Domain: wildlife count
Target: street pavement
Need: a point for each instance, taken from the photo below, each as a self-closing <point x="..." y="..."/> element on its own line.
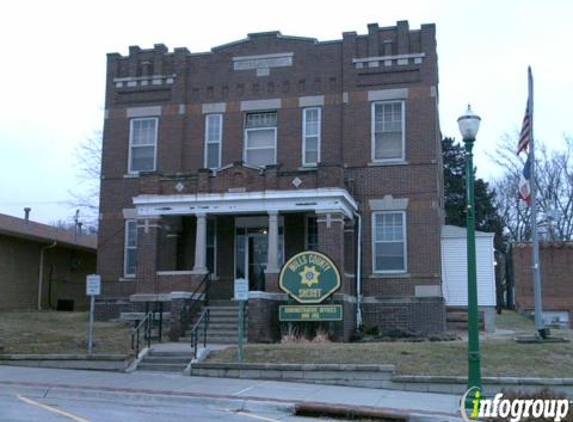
<point x="167" y="396"/>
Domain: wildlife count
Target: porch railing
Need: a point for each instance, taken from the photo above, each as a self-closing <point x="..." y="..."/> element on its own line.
<point x="202" y="322"/>
<point x="199" y="297"/>
<point x="143" y="329"/>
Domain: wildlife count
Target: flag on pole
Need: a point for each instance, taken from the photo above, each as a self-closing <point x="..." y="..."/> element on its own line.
<point x="524" y="183"/>
<point x="525" y="135"/>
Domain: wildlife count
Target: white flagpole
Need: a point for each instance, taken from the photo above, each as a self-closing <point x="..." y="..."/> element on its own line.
<point x="538" y="303"/>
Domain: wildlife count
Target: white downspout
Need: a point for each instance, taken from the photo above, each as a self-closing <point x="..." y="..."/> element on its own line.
<point x="41" y="272"/>
<point x="359" y="271"/>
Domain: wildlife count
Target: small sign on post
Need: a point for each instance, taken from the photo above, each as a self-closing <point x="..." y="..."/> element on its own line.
<point x="241" y="296"/>
<point x="93" y="289"/>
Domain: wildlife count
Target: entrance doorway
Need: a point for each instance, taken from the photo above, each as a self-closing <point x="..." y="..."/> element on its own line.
<point x="251" y="250"/>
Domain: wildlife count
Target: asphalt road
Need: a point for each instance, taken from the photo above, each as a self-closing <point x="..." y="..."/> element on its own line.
<point x="29" y="408"/>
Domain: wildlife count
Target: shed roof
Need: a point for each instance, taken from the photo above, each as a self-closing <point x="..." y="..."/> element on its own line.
<point x="19" y="227"/>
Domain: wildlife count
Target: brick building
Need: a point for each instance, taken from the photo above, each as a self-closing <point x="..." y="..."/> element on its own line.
<point x="556" y="262"/>
<point x="231" y="161"/>
<point x="41" y="266"/>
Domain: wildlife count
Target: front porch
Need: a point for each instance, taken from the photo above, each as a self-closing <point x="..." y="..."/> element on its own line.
<point x="249" y="235"/>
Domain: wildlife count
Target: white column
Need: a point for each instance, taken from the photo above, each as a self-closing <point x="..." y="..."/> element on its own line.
<point x="273" y="243"/>
<point x="201" y="244"/>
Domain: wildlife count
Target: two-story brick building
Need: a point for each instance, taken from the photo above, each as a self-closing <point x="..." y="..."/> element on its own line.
<point x="231" y="161"/>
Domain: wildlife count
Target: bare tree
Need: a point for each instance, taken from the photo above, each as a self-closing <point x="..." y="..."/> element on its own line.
<point x="85" y="196"/>
<point x="554" y="182"/>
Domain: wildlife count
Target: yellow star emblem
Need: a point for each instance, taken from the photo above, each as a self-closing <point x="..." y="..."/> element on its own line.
<point x="309" y="276"/>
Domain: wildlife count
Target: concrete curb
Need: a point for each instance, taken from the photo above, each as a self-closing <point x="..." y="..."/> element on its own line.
<point x="232" y="403"/>
<point x="100" y="362"/>
<point x="457" y="385"/>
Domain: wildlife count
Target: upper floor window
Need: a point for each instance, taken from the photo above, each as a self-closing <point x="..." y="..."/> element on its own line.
<point x="130" y="248"/>
<point x="261" y="138"/>
<point x="142" y="144"/>
<point x="388" y="131"/>
<point x="311" y="136"/>
<point x="389" y="241"/>
<point x="213" y="139"/>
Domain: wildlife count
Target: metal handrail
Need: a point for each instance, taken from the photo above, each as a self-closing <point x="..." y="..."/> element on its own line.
<point x="194" y="334"/>
<point x="147" y="323"/>
<point x="187" y="312"/>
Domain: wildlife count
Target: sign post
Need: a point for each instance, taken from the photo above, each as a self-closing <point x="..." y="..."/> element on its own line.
<point x="241" y="296"/>
<point x="93" y="289"/>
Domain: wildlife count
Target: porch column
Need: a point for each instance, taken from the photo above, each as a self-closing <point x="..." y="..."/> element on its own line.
<point x="148" y="231"/>
<point x="273" y="241"/>
<point x="201" y="244"/>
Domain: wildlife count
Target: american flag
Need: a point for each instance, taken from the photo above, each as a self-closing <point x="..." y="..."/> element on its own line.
<point x="525" y="135"/>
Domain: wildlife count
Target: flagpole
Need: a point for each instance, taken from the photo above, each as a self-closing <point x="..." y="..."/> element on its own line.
<point x="538" y="303"/>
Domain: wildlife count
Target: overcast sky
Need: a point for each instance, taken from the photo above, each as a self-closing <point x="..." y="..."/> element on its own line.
<point x="52" y="71"/>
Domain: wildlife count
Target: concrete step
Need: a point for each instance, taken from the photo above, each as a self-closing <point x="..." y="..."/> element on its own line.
<point x="210" y="332"/>
<point x="164" y="367"/>
<point x="168" y="354"/>
<point x="178" y="360"/>
<point x="214" y="340"/>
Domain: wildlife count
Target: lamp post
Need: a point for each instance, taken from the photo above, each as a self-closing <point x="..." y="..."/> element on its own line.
<point x="469" y="125"/>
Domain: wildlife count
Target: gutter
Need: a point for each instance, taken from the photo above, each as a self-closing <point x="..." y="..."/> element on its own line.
<point x="41" y="272"/>
<point x="359" y="271"/>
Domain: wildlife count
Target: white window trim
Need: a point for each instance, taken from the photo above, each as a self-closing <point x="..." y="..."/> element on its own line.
<point x="214" y="220"/>
<point x="373" y="243"/>
<point x="125" y="247"/>
<point x="255" y="148"/>
<point x="129" y="170"/>
<point x="219" y="141"/>
<point x="373" y="137"/>
<point x="306" y="218"/>
<point x="304" y="136"/>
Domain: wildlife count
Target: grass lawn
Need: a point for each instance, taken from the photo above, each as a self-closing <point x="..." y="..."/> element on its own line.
<point x="58" y="332"/>
<point x="500" y="356"/>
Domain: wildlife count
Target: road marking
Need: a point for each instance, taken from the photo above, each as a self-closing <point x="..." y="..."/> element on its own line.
<point x="244" y="390"/>
<point x="52" y="409"/>
<point x="262" y="418"/>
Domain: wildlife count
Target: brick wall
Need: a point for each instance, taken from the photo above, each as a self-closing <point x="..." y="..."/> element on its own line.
<point x="556" y="263"/>
<point x="326" y="69"/>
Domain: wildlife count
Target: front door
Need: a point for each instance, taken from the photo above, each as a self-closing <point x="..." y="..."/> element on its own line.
<point x="251" y="251"/>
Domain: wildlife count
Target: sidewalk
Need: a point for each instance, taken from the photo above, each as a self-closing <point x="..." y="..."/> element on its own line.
<point x="184" y="388"/>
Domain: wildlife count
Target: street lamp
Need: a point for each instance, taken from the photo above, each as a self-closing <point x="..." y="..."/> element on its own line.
<point x="469" y="125"/>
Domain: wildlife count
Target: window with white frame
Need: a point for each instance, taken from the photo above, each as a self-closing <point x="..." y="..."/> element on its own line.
<point x="213" y="140"/>
<point x="130" y="248"/>
<point x="142" y="144"/>
<point x="388" y="131"/>
<point x="389" y="241"/>
<point x="212" y="245"/>
<point x="261" y="139"/>
<point x="311" y="238"/>
<point x="310" y="136"/>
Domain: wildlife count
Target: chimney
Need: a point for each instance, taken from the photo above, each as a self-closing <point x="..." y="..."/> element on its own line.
<point x="27" y="214"/>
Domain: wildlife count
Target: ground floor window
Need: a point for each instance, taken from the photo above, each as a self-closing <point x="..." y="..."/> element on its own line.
<point x="311" y="235"/>
<point x="130" y="248"/>
<point x="389" y="242"/>
<point x="212" y="245"/>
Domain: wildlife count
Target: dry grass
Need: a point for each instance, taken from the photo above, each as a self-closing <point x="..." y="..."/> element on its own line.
<point x="500" y="357"/>
<point x="58" y="332"/>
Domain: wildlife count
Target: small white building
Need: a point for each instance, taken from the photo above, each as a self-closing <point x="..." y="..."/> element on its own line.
<point x="454" y="271"/>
